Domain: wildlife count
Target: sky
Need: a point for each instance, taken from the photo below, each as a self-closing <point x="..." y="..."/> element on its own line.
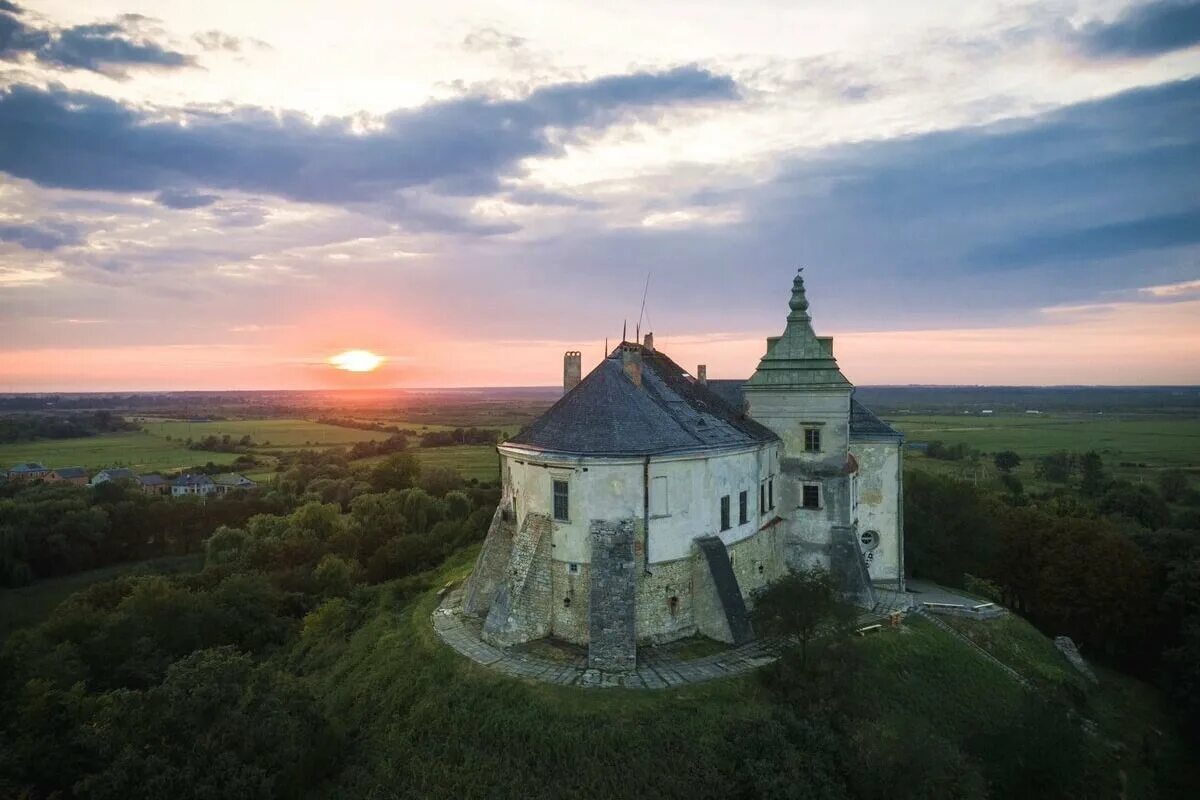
<point x="223" y="195"/>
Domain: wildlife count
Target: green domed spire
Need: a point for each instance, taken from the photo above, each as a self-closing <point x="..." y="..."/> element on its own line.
<point x="799" y="301"/>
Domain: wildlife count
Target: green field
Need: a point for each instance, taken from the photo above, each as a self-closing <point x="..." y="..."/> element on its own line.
<point x="141" y="451"/>
<point x="471" y="461"/>
<point x="1157" y="441"/>
<point x="279" y="433"/>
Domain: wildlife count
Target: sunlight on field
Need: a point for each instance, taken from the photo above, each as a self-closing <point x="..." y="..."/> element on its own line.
<point x="138" y="450"/>
<point x="276" y="432"/>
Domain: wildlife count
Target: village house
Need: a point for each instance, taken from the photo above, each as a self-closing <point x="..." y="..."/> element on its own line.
<point x="27" y="471"/>
<point x="192" y="484"/>
<point x="112" y="474"/>
<point x="231" y="481"/>
<point x="76" y="476"/>
<point x="153" y="484"/>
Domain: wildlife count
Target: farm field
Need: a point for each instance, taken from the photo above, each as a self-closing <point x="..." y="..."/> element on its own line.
<point x="471" y="461"/>
<point x="266" y="433"/>
<point x="1156" y="441"/>
<point x="138" y="450"/>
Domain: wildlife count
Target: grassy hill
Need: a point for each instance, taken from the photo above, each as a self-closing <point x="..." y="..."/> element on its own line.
<point x="921" y="715"/>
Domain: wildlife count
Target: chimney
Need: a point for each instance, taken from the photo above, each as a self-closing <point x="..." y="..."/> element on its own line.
<point x="702" y="375"/>
<point x="648" y="342"/>
<point x="631" y="362"/>
<point x="572" y="369"/>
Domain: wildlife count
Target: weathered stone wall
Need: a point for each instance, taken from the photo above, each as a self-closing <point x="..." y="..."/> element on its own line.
<point x="727" y="619"/>
<point x="571" y="602"/>
<point x="758" y="560"/>
<point x="612" y="646"/>
<point x="492" y="565"/>
<point x="878" y="506"/>
<point x="521" y="609"/>
<point x="664" y="602"/>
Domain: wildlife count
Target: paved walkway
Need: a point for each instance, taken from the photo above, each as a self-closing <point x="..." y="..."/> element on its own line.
<point x="658" y="668"/>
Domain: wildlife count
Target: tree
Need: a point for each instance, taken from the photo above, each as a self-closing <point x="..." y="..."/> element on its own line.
<point x="797" y="606"/>
<point x="439" y="480"/>
<point x="1056" y="467"/>
<point x="1092" y="478"/>
<point x="1007" y="461"/>
<point x="1137" y="502"/>
<point x="1173" y="484"/>
<point x="397" y="471"/>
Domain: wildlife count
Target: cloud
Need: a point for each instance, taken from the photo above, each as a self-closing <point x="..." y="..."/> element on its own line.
<point x="44" y="236"/>
<point x="1172" y="289"/>
<point x="1143" y="31"/>
<point x="12" y="8"/>
<point x="489" y="40"/>
<point x="1099" y="241"/>
<point x="107" y="47"/>
<point x="65" y="139"/>
<point x="182" y="199"/>
<point x="216" y="40"/>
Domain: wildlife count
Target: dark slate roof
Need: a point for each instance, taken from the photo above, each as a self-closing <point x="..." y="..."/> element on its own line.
<point x="864" y="423"/>
<point x="192" y="480"/>
<point x="151" y="480"/>
<point x="729" y="391"/>
<point x="116" y="473"/>
<point x="28" y="466"/>
<point x="607" y="415"/>
<point x="71" y="472"/>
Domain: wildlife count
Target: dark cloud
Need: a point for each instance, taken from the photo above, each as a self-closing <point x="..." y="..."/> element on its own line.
<point x="45" y="236"/>
<point x="1143" y="30"/>
<point x="182" y="199"/>
<point x="1095" y="197"/>
<point x="12" y="8"/>
<point x="108" y="47"/>
<point x="58" y="138"/>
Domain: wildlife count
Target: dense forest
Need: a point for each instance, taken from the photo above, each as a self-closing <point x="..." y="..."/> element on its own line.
<point x="299" y="659"/>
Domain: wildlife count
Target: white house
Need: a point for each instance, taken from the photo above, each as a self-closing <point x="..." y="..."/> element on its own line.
<point x="192" y="484"/>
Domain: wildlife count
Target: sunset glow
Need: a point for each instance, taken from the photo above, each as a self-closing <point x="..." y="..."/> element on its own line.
<point x="356" y="361"/>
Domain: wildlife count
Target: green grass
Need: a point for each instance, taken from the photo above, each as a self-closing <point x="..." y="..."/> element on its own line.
<point x="281" y="433"/>
<point x="1160" y="441"/>
<point x="29" y="605"/>
<point x="471" y="461"/>
<point x="141" y="451"/>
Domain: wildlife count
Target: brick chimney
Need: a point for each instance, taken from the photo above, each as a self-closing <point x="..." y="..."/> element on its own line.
<point x="572" y="369"/>
<point x="631" y="362"/>
<point x="648" y="342"/>
<point x="702" y="375"/>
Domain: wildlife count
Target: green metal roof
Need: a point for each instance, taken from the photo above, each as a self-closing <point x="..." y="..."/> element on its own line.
<point x="798" y="358"/>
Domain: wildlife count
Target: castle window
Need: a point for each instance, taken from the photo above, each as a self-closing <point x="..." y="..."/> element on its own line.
<point x="658" y="497"/>
<point x="812" y="440"/>
<point x="812" y="496"/>
<point x="560" y="501"/>
<point x="870" y="540"/>
<point x="770" y="493"/>
<point x="762" y="498"/>
<point x="572" y="568"/>
<point x="725" y="513"/>
<point x="743" y="508"/>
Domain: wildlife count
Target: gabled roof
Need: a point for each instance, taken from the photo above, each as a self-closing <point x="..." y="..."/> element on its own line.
<point x="151" y="480"/>
<point x="865" y="425"/>
<point x="28" y="466"/>
<point x="70" y="472"/>
<point x="115" y="473"/>
<point x="231" y="479"/>
<point x="192" y="480"/>
<point x="608" y="415"/>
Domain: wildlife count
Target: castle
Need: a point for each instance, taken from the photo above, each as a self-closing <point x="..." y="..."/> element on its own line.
<point x="649" y="504"/>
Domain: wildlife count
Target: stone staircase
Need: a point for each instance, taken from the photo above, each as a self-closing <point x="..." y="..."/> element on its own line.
<point x="728" y="591"/>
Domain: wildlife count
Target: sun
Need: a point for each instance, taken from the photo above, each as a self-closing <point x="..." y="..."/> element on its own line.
<point x="357" y="361"/>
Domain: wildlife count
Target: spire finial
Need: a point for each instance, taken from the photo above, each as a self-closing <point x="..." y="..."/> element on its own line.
<point x="799" y="301"/>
